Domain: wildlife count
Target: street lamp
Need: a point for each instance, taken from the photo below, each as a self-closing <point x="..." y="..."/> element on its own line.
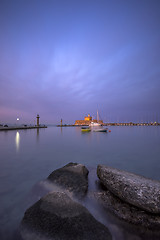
<point x="17" y="120"/>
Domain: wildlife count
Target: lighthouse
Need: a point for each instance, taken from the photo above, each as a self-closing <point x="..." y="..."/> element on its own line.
<point x="38" y="120"/>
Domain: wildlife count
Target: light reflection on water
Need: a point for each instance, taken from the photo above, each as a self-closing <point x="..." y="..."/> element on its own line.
<point x="17" y="140"/>
<point x="29" y="156"/>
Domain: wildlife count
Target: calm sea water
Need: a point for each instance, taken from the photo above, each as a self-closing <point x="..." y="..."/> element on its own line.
<point x="27" y="157"/>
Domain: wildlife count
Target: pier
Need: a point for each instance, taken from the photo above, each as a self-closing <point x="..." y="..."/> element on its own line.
<point x="132" y="124"/>
<point x="21" y="127"/>
<point x="5" y="127"/>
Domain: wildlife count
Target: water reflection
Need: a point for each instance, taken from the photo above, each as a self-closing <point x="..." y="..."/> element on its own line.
<point x="132" y="149"/>
<point x="37" y="134"/>
<point x="17" y="140"/>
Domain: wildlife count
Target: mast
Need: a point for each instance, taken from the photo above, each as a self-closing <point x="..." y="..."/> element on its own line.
<point x="97" y="116"/>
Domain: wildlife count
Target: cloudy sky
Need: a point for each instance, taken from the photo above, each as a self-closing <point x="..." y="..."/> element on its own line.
<point x="67" y="58"/>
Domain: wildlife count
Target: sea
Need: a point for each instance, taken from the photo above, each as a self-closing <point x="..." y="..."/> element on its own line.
<point x="27" y="157"/>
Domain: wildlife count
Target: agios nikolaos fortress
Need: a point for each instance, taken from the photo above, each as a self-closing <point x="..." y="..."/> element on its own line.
<point x="87" y="120"/>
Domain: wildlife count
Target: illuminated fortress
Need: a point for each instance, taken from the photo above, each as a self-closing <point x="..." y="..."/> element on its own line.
<point x="87" y="120"/>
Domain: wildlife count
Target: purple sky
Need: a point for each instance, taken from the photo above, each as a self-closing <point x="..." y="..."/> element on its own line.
<point x="67" y="58"/>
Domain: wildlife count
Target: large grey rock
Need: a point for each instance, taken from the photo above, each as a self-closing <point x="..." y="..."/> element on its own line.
<point x="73" y="177"/>
<point x="127" y="212"/>
<point x="131" y="188"/>
<point x="57" y="217"/>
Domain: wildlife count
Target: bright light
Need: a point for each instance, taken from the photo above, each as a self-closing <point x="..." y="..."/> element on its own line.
<point x="17" y="119"/>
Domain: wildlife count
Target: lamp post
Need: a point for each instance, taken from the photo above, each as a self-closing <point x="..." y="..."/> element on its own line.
<point x="17" y="120"/>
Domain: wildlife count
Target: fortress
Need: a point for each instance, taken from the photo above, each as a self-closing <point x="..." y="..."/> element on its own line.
<point x="87" y="120"/>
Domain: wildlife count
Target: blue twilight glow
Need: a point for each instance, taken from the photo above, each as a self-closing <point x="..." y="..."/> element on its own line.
<point x="66" y="58"/>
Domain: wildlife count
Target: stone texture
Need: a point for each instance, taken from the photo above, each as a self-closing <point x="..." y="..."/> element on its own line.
<point x="72" y="177"/>
<point x="139" y="191"/>
<point x="57" y="217"/>
<point x="127" y="212"/>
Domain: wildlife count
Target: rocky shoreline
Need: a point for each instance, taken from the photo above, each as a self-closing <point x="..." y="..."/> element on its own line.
<point x="60" y="214"/>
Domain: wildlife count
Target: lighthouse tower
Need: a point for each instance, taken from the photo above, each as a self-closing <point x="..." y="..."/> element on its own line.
<point x="38" y="117"/>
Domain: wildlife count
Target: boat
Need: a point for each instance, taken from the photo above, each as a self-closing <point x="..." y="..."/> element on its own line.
<point x="100" y="130"/>
<point x="85" y="129"/>
<point x="95" y="124"/>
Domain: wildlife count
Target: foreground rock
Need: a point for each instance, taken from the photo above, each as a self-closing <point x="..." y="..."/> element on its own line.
<point x="57" y="217"/>
<point x="136" y="190"/>
<point x="128" y="212"/>
<point x="73" y="177"/>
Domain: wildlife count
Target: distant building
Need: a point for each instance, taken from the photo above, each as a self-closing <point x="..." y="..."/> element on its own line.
<point x="87" y="120"/>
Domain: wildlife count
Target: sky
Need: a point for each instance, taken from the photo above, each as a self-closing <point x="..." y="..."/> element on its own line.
<point x="68" y="58"/>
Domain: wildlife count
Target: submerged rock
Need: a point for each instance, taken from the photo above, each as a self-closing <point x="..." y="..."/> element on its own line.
<point x="73" y="177"/>
<point x="139" y="191"/>
<point x="57" y="217"/>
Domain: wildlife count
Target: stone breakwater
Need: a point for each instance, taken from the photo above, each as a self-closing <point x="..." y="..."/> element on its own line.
<point x="60" y="216"/>
<point x="21" y="127"/>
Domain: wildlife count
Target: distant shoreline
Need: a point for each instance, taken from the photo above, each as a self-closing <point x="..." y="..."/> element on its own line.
<point x="113" y="124"/>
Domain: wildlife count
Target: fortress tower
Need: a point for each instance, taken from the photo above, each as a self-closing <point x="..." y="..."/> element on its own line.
<point x="88" y="118"/>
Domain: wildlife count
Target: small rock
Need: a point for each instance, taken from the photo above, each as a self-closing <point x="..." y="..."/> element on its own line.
<point x="139" y="191"/>
<point x="57" y="217"/>
<point x="73" y="177"/>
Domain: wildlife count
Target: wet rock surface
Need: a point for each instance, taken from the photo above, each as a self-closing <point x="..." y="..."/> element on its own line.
<point x="57" y="217"/>
<point x="127" y="212"/>
<point x="131" y="188"/>
<point x="72" y="177"/>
